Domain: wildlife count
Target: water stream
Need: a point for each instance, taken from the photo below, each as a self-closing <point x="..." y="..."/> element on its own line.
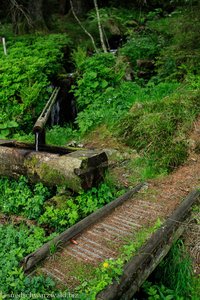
<point x="55" y="114"/>
<point x="37" y="141"/>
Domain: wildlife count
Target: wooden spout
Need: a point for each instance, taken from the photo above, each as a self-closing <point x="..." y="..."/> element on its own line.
<point x="41" y="121"/>
<point x="39" y="127"/>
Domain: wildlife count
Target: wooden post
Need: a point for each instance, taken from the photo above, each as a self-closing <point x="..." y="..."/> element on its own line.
<point x="4" y="45"/>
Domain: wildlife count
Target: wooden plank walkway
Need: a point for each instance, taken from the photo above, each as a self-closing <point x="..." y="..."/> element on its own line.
<point x="103" y="239"/>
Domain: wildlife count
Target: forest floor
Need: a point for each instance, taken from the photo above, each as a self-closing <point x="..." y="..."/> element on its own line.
<point x="157" y="199"/>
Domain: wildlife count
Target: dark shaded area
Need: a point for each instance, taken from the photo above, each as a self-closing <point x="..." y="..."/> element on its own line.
<point x="116" y="41"/>
<point x="28" y="15"/>
<point x="68" y="111"/>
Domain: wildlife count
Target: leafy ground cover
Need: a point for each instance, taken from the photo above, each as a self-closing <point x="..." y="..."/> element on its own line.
<point x="26" y="74"/>
<point x="57" y="212"/>
<point x="16" y="242"/>
<point x="20" y="238"/>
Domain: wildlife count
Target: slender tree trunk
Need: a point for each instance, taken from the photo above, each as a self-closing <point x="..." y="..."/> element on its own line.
<point x="99" y="26"/>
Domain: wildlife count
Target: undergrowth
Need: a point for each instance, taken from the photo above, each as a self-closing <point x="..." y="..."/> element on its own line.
<point x="19" y="198"/>
<point x="25" y="79"/>
<point x="177" y="280"/>
<point x="158" y="129"/>
<point x="16" y="242"/>
<point x="57" y="212"/>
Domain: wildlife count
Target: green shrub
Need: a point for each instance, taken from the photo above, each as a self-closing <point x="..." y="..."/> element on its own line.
<point x="142" y="47"/>
<point x="17" y="197"/>
<point x="77" y="208"/>
<point x="60" y="135"/>
<point x="96" y="75"/>
<point x="115" y="21"/>
<point x="115" y="102"/>
<point x="181" y="54"/>
<point x="25" y="78"/>
<point x="177" y="280"/>
<point x="108" y="107"/>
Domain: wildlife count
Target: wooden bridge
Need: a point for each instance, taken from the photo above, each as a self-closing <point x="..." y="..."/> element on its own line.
<point x="100" y="236"/>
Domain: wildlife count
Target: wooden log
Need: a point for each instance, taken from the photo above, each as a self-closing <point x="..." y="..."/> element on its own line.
<point x="34" y="258"/>
<point x="137" y="270"/>
<point x="77" y="170"/>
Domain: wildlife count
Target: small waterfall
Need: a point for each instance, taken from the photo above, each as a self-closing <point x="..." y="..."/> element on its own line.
<point x="73" y="108"/>
<point x="37" y="141"/>
<point x="55" y="114"/>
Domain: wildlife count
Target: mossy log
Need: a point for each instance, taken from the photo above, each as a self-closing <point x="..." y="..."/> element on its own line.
<point x="77" y="170"/>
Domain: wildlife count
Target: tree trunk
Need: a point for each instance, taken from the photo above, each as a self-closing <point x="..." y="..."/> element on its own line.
<point x="62" y="7"/>
<point x="77" y="170"/>
<point x="36" y="13"/>
<point x="100" y="27"/>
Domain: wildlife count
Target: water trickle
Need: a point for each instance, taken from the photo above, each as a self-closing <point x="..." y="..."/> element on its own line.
<point x="36" y="141"/>
<point x="55" y="114"/>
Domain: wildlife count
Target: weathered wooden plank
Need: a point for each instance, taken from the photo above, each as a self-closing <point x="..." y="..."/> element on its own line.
<point x="32" y="259"/>
<point x="137" y="270"/>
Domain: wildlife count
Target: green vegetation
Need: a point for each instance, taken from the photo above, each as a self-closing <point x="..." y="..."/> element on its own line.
<point x="180" y="56"/>
<point x="60" y="212"/>
<point x="177" y="280"/>
<point x="74" y="209"/>
<point x="146" y="95"/>
<point x="17" y="197"/>
<point x="25" y="79"/>
<point x="145" y="46"/>
<point x="17" y="242"/>
<point x="60" y="135"/>
<point x="159" y="128"/>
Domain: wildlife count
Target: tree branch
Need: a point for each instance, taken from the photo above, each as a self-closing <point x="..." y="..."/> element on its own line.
<point x="18" y="10"/>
